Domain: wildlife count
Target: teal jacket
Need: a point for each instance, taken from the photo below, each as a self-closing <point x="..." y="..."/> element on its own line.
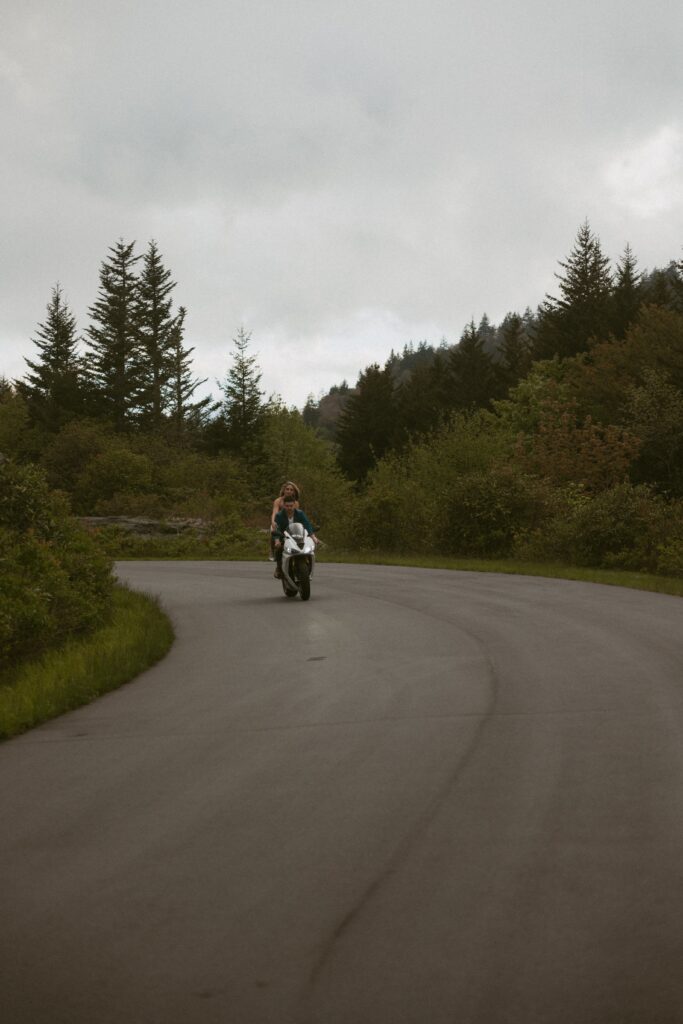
<point x="282" y="521"/>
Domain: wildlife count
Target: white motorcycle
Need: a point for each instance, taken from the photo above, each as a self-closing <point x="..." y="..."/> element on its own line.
<point x="298" y="560"/>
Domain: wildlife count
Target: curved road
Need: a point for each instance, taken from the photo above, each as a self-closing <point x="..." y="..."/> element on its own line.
<point x="422" y="798"/>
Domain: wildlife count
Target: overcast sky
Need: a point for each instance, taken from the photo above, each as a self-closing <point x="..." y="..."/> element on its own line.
<point x="339" y="178"/>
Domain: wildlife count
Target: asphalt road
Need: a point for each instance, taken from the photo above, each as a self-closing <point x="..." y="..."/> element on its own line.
<point x="421" y="798"/>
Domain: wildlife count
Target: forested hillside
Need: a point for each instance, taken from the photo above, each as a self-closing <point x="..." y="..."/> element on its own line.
<point x="556" y="434"/>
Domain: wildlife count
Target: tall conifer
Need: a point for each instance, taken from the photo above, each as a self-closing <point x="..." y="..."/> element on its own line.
<point x="155" y="329"/>
<point x="54" y="388"/>
<point x="677" y="285"/>
<point x="657" y="288"/>
<point x="367" y="427"/>
<point x="181" y="385"/>
<point x="243" y="399"/>
<point x="514" y="349"/>
<point x="473" y="376"/>
<point x="582" y="311"/>
<point x="113" y="359"/>
<point x="627" y="296"/>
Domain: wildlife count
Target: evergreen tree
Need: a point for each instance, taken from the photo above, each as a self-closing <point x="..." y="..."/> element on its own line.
<point x="367" y="426"/>
<point x="113" y="360"/>
<point x="474" y="380"/>
<point x="568" y="323"/>
<point x="181" y="386"/>
<point x="54" y="389"/>
<point x="657" y="289"/>
<point x="627" y="296"/>
<point x="243" y="406"/>
<point x="487" y="333"/>
<point x="311" y="411"/>
<point x="413" y="357"/>
<point x="424" y="399"/>
<point x="514" y="350"/>
<point x="155" y="330"/>
<point x="677" y="285"/>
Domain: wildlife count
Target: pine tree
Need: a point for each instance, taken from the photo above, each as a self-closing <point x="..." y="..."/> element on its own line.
<point x="113" y="360"/>
<point x="568" y="323"/>
<point x="311" y="411"/>
<point x="54" y="390"/>
<point x="514" y="350"/>
<point x="657" y="289"/>
<point x="474" y="380"/>
<point x="155" y="329"/>
<point x="627" y="296"/>
<point x="677" y="285"/>
<point x="424" y="399"/>
<point x="181" y="386"/>
<point x="487" y="333"/>
<point x="367" y="426"/>
<point x="243" y="406"/>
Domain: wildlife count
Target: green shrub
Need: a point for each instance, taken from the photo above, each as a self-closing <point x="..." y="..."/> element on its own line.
<point x="54" y="580"/>
<point x="114" y="470"/>
<point x="624" y="527"/>
<point x="486" y="511"/>
<point x="68" y="453"/>
<point x="670" y="558"/>
<point x="409" y="494"/>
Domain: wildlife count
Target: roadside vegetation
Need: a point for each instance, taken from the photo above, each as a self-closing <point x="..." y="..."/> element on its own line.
<point x="136" y="636"/>
<point x="551" y="442"/>
<point x="67" y="632"/>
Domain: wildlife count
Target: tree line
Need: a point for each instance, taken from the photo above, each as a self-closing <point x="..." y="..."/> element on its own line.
<point x="556" y="434"/>
<point x="113" y="418"/>
<point x="131" y="372"/>
<point x="416" y="393"/>
<point x="135" y="371"/>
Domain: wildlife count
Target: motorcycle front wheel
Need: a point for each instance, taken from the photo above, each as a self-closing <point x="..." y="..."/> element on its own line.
<point x="287" y="589"/>
<point x="304" y="580"/>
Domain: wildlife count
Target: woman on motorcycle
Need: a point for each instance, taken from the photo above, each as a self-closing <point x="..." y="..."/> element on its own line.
<point x="288" y="490"/>
<point x="291" y="513"/>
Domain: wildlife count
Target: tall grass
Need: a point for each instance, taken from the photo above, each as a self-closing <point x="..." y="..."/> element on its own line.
<point x="138" y="635"/>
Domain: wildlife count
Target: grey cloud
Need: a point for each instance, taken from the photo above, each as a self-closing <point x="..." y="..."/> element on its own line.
<point x="315" y="169"/>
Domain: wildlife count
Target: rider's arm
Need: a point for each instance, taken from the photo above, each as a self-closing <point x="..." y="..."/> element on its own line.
<point x="309" y="526"/>
<point x="277" y="505"/>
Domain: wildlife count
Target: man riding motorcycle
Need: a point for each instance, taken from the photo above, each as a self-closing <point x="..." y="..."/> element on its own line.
<point x="287" y="515"/>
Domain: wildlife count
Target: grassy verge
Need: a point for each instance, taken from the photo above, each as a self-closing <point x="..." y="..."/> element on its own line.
<point x="257" y="551"/>
<point x="138" y="635"/>
<point x="612" y="577"/>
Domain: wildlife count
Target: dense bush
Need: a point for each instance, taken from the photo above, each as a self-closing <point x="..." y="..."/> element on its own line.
<point x="19" y="439"/>
<point x="624" y="527"/>
<point x="552" y="493"/>
<point x="430" y="497"/>
<point x="54" y="580"/>
<point x="67" y="454"/>
<point x="485" y="511"/>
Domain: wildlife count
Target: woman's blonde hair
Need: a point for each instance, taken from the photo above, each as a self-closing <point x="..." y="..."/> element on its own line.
<point x="290" y="483"/>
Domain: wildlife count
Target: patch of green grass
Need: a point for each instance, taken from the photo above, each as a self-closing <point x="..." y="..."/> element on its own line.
<point x="612" y="577"/>
<point x="138" y="635"/>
